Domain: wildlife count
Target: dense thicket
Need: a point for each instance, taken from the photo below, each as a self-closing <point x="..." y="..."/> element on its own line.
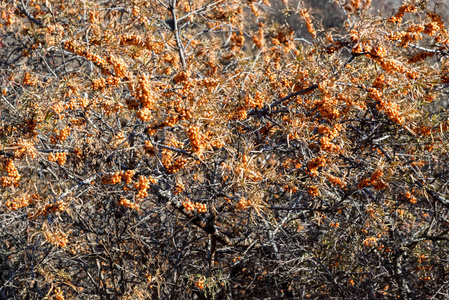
<point x="179" y="149"/>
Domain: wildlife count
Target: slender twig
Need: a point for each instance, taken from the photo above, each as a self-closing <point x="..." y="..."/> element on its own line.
<point x="276" y="103"/>
<point x="177" y="36"/>
<point x="24" y="10"/>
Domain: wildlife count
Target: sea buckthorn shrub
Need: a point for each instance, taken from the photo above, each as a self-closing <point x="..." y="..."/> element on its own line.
<point x="194" y="149"/>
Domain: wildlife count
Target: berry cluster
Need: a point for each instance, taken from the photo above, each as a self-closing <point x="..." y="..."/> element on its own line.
<point x="59" y="157"/>
<point x="176" y="165"/>
<point x="28" y="79"/>
<point x="99" y="61"/>
<point x="288" y="163"/>
<point x="328" y="136"/>
<point x="25" y="148"/>
<point x="143" y="185"/>
<point x="13" y="176"/>
<point x="380" y="82"/>
<point x="170" y="164"/>
<point x="259" y="39"/>
<point x="117" y="177"/>
<point x="144" y="114"/>
<point x="110" y="107"/>
<point x="247" y="173"/>
<point x="181" y="77"/>
<point x="422" y="130"/>
<point x="405" y="8"/>
<point x="113" y="178"/>
<point x="200" y="284"/>
<point x="375" y="180"/>
<point x="128" y="204"/>
<point x="410" y="197"/>
<point x="240" y="114"/>
<point x="290" y="189"/>
<point x="57" y="207"/>
<point x="120" y="68"/>
<point x="72" y="104"/>
<point x="188" y="205"/>
<point x="313" y="191"/>
<point x="201" y="207"/>
<point x="237" y="39"/>
<point x="391" y="109"/>
<point x="334" y="224"/>
<point x="207" y="82"/>
<point x="336" y="181"/>
<point x="192" y="206"/>
<point x="217" y="144"/>
<point x="128" y="176"/>
<point x="119" y="140"/>
<point x="58" y="107"/>
<point x="306" y="16"/>
<point x="59" y="294"/>
<point x="137" y="40"/>
<point x="146" y="98"/>
<point x="178" y="188"/>
<point x="22" y="201"/>
<point x="57" y="238"/>
<point x="60" y="135"/>
<point x="371" y="241"/>
<point x="9" y="18"/>
<point x="244" y="204"/>
<point x="196" y="139"/>
<point x="314" y="164"/>
<point x="327" y="106"/>
<point x="256" y="102"/>
<point x="99" y="84"/>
